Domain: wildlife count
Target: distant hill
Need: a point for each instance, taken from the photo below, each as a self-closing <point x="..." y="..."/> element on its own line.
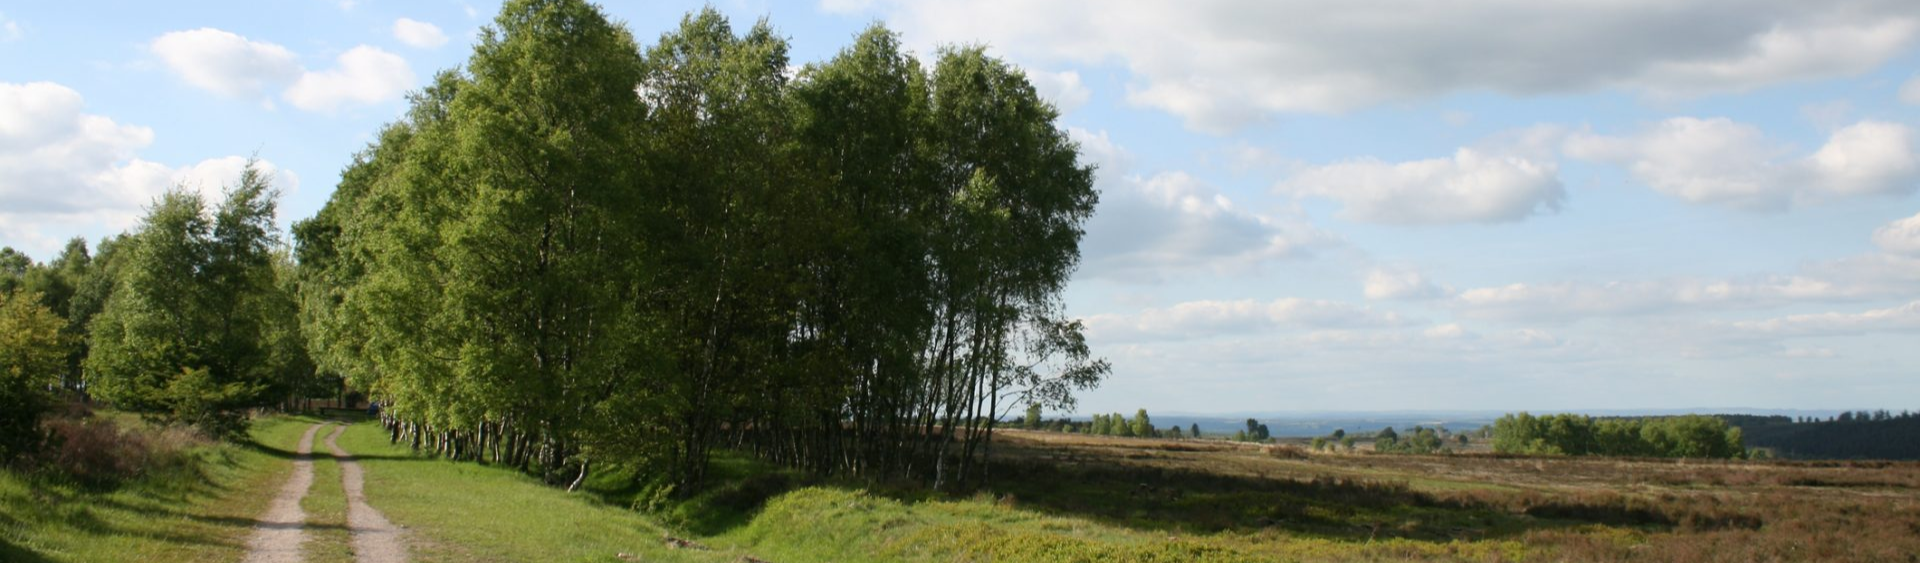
<point x="1862" y="435"/>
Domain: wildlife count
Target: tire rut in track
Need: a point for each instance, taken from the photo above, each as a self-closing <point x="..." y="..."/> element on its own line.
<point x="280" y="531"/>
<point x="375" y="540"/>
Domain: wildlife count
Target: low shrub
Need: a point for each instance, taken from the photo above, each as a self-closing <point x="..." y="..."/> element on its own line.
<point x="97" y="450"/>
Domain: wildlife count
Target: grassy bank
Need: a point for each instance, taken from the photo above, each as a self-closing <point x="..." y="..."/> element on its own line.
<point x="201" y="510"/>
<point x="470" y="512"/>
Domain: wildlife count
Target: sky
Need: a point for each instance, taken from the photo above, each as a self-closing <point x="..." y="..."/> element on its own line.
<point x="1317" y="205"/>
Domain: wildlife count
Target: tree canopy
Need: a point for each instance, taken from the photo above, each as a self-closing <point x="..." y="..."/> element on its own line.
<point x="573" y="249"/>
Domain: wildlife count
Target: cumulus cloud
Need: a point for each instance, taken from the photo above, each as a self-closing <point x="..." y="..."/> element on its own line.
<point x="231" y="65"/>
<point x="1064" y="88"/>
<point x="69" y="172"/>
<point x="1471" y="187"/>
<point x="1722" y="162"/>
<point x="225" y="63"/>
<point x="417" y="33"/>
<point x="1900" y="237"/>
<point x="1195" y="319"/>
<point x="1223" y="63"/>
<point x="365" y="75"/>
<point x="1152" y="227"/>
<point x="1401" y="284"/>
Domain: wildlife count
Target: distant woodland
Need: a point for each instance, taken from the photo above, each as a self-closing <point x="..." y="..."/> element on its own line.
<point x="1849" y="435"/>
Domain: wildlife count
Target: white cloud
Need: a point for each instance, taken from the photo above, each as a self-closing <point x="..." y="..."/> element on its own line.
<point x="1910" y="92"/>
<point x="1904" y="318"/>
<point x="9" y="29"/>
<point x="1064" y="88"/>
<point x="1867" y="158"/>
<point x="417" y="33"/>
<point x="73" y="173"/>
<point x="225" y="63"/>
<point x="1569" y="301"/>
<point x="1807" y="353"/>
<point x="1900" y="237"/>
<point x="231" y="65"/>
<point x="1722" y="162"/>
<point x="365" y="75"/>
<point x="1194" y="319"/>
<point x="1152" y="227"/>
<point x="1471" y="187"/>
<point x="1401" y="284"/>
<point x="1449" y="331"/>
<point x="1860" y="278"/>
<point x="1221" y="64"/>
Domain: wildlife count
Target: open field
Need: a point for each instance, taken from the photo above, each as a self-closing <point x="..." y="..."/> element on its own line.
<point x="1488" y="507"/>
<point x="1054" y="497"/>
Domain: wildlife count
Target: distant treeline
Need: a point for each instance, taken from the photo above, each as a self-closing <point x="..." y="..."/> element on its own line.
<point x="1850" y="435"/>
<point x="1571" y="434"/>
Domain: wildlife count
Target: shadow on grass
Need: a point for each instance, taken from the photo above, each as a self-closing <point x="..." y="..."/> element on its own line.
<point x="1179" y="501"/>
<point x="1188" y="501"/>
<point x="10" y="552"/>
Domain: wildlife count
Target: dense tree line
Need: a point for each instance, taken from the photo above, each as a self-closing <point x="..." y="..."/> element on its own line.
<point x="1849" y="435"/>
<point x="575" y="250"/>
<point x="189" y="318"/>
<point x="1691" y="436"/>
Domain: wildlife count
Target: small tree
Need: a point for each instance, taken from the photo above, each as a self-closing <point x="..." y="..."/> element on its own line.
<point x="1239" y="435"/>
<point x="1319" y="444"/>
<point x="1194" y="430"/>
<point x="1174" y="432"/>
<point x="1033" y="416"/>
<point x="33" y="355"/>
<point x="1387" y="440"/>
<point x="1142" y="425"/>
<point x="1339" y="433"/>
<point x="1347" y="442"/>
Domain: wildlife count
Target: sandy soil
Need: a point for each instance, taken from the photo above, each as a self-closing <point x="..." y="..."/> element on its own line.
<point x="281" y="529"/>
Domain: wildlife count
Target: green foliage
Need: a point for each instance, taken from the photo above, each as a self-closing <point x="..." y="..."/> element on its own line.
<point x="1032" y="420"/>
<point x="187" y="334"/>
<point x="1690" y="436"/>
<point x="33" y="354"/>
<point x="1851" y="435"/>
<point x="1142" y="424"/>
<point x="544" y="265"/>
<point x="1255" y="432"/>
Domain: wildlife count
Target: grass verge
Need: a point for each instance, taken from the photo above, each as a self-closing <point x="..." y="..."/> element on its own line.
<point x="198" y="511"/>
<point x="471" y="512"/>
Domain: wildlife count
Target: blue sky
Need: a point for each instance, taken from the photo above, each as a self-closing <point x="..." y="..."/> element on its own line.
<point x="1314" y="205"/>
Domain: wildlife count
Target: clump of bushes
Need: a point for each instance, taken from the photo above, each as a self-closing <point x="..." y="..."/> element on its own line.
<point x="94" y="450"/>
<point x="1690" y="436"/>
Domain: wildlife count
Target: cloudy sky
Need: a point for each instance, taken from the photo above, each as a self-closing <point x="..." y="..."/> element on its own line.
<point x="1309" y="205"/>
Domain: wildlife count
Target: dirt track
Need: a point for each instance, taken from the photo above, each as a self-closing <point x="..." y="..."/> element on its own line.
<point x="375" y="540"/>
<point x="282" y="528"/>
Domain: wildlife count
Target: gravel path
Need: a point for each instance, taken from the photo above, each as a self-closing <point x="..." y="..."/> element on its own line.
<point x="375" y="540"/>
<point x="281" y="529"/>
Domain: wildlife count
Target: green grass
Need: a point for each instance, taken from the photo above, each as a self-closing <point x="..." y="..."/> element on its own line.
<point x="470" y="512"/>
<point x="465" y="511"/>
<point x="200" y="511"/>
